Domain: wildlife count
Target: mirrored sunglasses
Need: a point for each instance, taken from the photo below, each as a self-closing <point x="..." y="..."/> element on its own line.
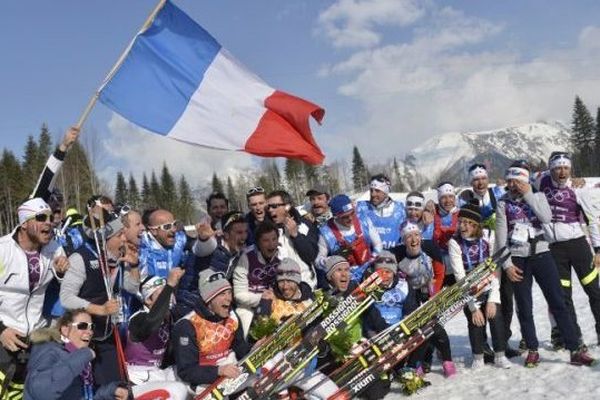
<point x="166" y="227"/>
<point x="83" y="326"/>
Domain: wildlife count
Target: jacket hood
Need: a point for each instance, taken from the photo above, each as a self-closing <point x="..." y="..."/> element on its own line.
<point x="45" y="335"/>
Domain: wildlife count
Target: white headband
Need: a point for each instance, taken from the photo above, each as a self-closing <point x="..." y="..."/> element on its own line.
<point x="409" y="228"/>
<point x="560" y="161"/>
<point x="31" y="208"/>
<point x="478" y="172"/>
<point x="412" y="201"/>
<point x="446" y="188"/>
<point x="379" y="185"/>
<point x="517" y="173"/>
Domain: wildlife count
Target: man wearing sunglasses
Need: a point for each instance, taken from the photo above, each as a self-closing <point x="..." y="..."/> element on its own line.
<point x="164" y="246"/>
<point x="386" y="214"/>
<point x="257" y="203"/>
<point x="298" y="237"/>
<point x="29" y="260"/>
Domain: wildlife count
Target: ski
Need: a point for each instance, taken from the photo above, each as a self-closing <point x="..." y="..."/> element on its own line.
<point x="296" y="358"/>
<point x="289" y="332"/>
<point x="394" y="344"/>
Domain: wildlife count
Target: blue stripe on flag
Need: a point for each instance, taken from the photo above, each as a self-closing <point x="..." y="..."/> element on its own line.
<point x="161" y="72"/>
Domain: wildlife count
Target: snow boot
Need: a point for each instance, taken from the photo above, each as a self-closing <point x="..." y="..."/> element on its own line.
<point x="533" y="359"/>
<point x="582" y="357"/>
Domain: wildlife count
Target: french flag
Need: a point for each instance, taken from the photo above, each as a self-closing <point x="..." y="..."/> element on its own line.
<point x="177" y="81"/>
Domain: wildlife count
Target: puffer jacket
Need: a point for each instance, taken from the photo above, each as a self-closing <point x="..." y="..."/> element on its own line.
<point x="54" y="373"/>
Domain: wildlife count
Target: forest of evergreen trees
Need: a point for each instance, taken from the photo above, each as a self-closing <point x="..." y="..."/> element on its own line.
<point x="78" y="180"/>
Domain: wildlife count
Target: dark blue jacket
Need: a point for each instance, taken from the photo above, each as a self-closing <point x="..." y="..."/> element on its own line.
<point x="53" y="374"/>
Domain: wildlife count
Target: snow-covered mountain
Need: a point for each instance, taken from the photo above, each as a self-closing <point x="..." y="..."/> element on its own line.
<point x="449" y="155"/>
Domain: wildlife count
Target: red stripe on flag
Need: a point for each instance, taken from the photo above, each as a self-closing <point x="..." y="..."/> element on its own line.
<point x="284" y="130"/>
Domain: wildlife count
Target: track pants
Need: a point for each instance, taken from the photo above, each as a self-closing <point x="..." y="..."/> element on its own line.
<point x="576" y="254"/>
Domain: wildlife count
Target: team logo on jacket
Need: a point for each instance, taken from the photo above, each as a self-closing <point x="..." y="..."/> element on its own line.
<point x="94" y="264"/>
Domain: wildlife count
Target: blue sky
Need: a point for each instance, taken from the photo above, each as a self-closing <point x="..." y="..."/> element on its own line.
<point x="390" y="73"/>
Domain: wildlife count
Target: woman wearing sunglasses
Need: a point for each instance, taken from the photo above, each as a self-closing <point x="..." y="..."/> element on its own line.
<point x="60" y="366"/>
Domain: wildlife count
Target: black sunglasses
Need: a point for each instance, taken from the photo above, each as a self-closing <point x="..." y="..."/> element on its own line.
<point x="83" y="326"/>
<point x="43" y="217"/>
<point x="418" y="204"/>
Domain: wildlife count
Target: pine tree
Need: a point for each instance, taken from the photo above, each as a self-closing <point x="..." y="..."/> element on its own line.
<point x="295" y="179"/>
<point x="167" y="189"/>
<point x="30" y="163"/>
<point x="582" y="139"/>
<point x="234" y="200"/>
<point x="360" y="177"/>
<point x="77" y="179"/>
<point x="217" y="185"/>
<point x="597" y="144"/>
<point x="12" y="191"/>
<point x="185" y="210"/>
<point x="133" y="193"/>
<point x="397" y="185"/>
<point x="155" y="191"/>
<point x="311" y="175"/>
<point x="121" y="194"/>
<point x="147" y="200"/>
<point x="44" y="146"/>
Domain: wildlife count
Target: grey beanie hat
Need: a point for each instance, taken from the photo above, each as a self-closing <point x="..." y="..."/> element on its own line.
<point x="211" y="283"/>
<point x="386" y="260"/>
<point x="289" y="270"/>
<point x="332" y="262"/>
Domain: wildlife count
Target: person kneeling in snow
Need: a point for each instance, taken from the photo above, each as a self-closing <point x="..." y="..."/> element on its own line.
<point x="209" y="340"/>
<point x="291" y="297"/>
<point x="148" y="337"/>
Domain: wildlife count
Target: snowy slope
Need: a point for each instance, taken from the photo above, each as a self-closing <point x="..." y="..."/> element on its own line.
<point x="554" y="378"/>
<point x="449" y="155"/>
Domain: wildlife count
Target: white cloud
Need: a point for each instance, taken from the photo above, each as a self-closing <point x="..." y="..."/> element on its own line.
<point x="445" y="77"/>
<point x="138" y="151"/>
<point x="350" y="23"/>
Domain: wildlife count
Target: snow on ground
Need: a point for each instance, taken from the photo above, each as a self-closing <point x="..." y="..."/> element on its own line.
<point x="554" y="378"/>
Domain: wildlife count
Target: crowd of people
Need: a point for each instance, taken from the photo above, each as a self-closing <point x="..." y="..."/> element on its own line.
<point x="115" y="303"/>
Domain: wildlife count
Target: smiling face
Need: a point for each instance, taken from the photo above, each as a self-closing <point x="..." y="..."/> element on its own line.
<point x="159" y="221"/>
<point x="414" y="214"/>
<point x="287" y="288"/>
<point x="318" y="204"/>
<point x="387" y="276"/>
<point x="217" y="208"/>
<point x="447" y="202"/>
<point x="267" y="244"/>
<point x="377" y="196"/>
<point x="133" y="227"/>
<point x="413" y="243"/>
<point x="480" y="185"/>
<point x="221" y="303"/>
<point x="468" y="228"/>
<point x="79" y="331"/>
<point x="236" y="235"/>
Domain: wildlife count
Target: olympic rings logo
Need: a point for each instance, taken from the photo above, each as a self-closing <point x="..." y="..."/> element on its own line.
<point x="264" y="273"/>
<point x="557" y="195"/>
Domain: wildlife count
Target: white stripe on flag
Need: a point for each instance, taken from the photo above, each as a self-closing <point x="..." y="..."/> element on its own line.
<point x="226" y="107"/>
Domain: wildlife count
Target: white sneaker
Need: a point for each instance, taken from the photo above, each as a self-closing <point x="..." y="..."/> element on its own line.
<point x="477" y="363"/>
<point x="502" y="362"/>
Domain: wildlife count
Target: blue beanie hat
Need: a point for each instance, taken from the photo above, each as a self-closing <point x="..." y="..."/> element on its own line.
<point x="341" y="204"/>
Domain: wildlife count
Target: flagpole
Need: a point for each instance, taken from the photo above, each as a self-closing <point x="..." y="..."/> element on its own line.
<point x="115" y="67"/>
